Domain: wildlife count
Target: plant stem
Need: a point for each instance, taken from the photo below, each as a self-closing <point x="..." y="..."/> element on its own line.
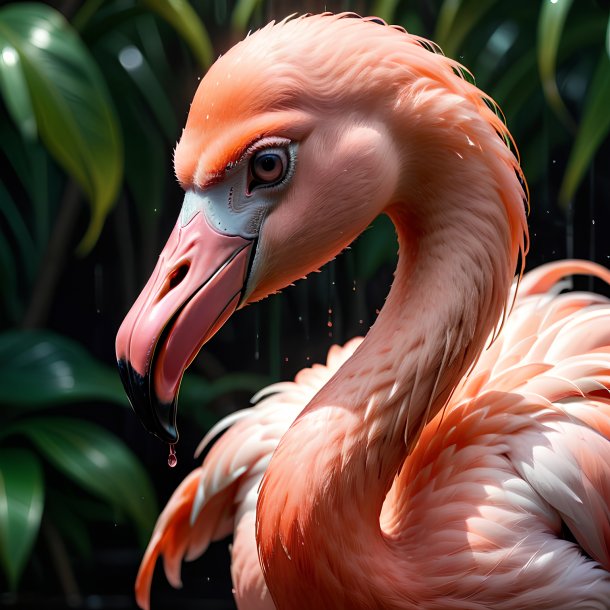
<point x="53" y="260"/>
<point x="62" y="564"/>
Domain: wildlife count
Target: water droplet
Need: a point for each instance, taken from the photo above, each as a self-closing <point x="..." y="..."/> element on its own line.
<point x="172" y="460"/>
<point x="593" y="221"/>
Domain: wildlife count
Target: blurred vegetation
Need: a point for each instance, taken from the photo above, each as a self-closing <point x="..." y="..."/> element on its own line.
<point x="93" y="96"/>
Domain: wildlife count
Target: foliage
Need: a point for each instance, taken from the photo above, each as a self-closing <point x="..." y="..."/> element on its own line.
<point x="92" y="102"/>
<point x="61" y="126"/>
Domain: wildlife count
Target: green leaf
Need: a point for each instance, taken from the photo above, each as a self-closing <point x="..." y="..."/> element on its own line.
<point x="550" y="28"/>
<point x="183" y="18"/>
<point x="21" y="504"/>
<point x="97" y="461"/>
<point x="43" y="369"/>
<point x="593" y="129"/>
<point x="456" y="20"/>
<point x="74" y="112"/>
<point x="141" y="76"/>
<point x="15" y="91"/>
<point x="385" y="9"/>
<point x="242" y="14"/>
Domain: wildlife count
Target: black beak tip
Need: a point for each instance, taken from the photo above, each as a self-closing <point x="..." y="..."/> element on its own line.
<point x="157" y="417"/>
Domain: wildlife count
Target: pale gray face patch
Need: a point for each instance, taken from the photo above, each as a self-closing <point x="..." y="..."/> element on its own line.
<point x="228" y="206"/>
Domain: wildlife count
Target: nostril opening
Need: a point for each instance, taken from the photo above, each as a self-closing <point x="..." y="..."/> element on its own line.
<point x="178" y="275"/>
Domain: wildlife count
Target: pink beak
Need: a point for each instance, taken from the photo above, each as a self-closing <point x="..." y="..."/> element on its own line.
<point x="196" y="285"/>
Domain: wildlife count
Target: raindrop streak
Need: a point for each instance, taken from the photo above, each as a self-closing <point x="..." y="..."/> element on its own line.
<point x="172" y="460"/>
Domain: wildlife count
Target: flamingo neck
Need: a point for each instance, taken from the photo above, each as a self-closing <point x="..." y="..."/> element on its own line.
<point x="318" y="515"/>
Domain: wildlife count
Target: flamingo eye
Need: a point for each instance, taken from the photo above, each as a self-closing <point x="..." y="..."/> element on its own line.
<point x="268" y="167"/>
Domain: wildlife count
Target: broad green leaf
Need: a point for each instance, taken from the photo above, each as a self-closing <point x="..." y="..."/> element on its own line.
<point x="21" y="504"/>
<point x="97" y="461"/>
<point x="183" y="18"/>
<point x="386" y="9"/>
<point x="42" y="369"/>
<point x="147" y="152"/>
<point x="592" y="130"/>
<point x="142" y="78"/>
<point x="550" y="29"/>
<point x="32" y="167"/>
<point x="516" y="85"/>
<point x="74" y="112"/>
<point x="242" y="14"/>
<point x="456" y="20"/>
<point x="15" y="91"/>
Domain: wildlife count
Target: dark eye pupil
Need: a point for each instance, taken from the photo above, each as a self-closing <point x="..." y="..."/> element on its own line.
<point x="268" y="167"/>
<point x="268" y="163"/>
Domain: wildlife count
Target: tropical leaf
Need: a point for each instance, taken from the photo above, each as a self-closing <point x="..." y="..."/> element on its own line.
<point x="550" y="28"/>
<point x="74" y="113"/>
<point x="386" y="9"/>
<point x="242" y="14"/>
<point x="183" y="18"/>
<point x="142" y="78"/>
<point x="21" y="504"/>
<point x="43" y="369"/>
<point x="456" y="20"/>
<point x="97" y="461"/>
<point x="15" y="90"/>
<point x="592" y="130"/>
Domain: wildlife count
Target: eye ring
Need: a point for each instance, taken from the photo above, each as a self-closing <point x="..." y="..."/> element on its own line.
<point x="268" y="167"/>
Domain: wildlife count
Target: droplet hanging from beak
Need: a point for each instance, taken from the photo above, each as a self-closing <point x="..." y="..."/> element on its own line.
<point x="172" y="459"/>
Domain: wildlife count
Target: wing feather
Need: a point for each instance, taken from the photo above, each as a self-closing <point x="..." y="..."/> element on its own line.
<point x="220" y="496"/>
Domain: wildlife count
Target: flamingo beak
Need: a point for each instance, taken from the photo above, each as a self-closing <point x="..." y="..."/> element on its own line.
<point x="197" y="284"/>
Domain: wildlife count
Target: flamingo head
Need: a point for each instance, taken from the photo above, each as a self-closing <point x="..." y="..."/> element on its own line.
<point x="290" y="150"/>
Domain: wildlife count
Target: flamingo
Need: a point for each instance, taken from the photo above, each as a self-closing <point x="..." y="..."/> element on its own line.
<point x="458" y="456"/>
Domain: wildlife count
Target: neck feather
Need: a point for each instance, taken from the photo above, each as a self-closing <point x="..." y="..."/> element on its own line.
<point x="318" y="513"/>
